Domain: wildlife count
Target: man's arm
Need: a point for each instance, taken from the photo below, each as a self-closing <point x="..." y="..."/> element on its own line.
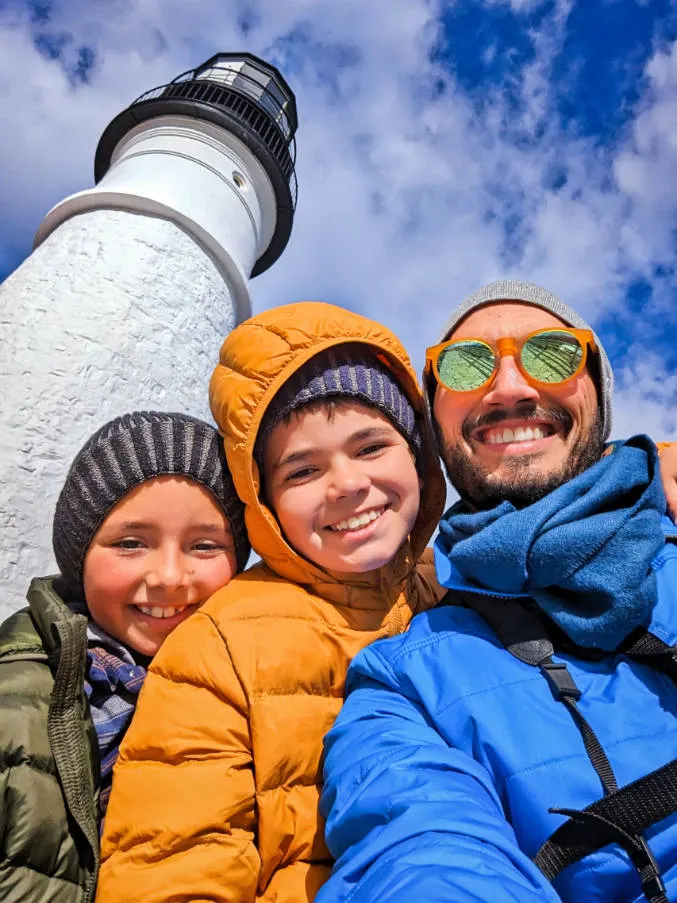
<point x="181" y="819"/>
<point x="409" y="817"/>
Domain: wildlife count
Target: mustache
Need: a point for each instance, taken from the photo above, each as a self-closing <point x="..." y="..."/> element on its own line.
<point x="524" y="411"/>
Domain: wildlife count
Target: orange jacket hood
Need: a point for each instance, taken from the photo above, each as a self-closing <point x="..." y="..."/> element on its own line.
<point x="256" y="359"/>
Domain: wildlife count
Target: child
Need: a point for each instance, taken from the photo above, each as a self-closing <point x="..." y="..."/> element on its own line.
<point x="216" y="789"/>
<point x="146" y="528"/>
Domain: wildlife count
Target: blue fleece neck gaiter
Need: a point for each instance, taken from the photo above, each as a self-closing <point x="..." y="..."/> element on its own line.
<point x="583" y="552"/>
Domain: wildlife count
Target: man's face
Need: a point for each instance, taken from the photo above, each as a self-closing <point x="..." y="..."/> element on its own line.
<point x="510" y="439"/>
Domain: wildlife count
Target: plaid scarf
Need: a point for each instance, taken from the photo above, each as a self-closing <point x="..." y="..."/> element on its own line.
<point x="112" y="684"/>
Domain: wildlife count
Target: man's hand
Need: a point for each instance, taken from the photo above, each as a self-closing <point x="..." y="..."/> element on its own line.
<point x="668" y="459"/>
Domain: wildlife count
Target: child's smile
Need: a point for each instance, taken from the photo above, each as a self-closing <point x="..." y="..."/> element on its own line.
<point x="161" y="552"/>
<point x="343" y="486"/>
<point x="162" y="612"/>
<point x="357" y="521"/>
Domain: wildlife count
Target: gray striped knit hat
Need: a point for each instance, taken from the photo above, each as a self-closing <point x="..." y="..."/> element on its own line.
<point x="514" y="290"/>
<point x="344" y="371"/>
<point x="123" y="454"/>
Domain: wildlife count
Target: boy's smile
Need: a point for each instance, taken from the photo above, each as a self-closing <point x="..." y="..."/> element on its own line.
<point x="343" y="484"/>
<point x="358" y="521"/>
<point x="161" y="552"/>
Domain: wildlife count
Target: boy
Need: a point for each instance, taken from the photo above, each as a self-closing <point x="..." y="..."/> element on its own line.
<point x="217" y="785"/>
<point x="146" y="528"/>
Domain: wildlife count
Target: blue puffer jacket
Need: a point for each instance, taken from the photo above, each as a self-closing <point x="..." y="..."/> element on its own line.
<point x="448" y="753"/>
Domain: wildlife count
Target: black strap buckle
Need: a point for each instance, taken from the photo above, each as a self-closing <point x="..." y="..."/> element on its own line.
<point x="649" y="872"/>
<point x="560" y="681"/>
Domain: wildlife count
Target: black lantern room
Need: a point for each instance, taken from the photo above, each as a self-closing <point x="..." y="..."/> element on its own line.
<point x="249" y="98"/>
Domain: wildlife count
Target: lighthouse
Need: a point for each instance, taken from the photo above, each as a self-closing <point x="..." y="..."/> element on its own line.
<point x="134" y="283"/>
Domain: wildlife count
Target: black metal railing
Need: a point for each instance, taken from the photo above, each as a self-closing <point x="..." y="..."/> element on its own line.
<point x="246" y="99"/>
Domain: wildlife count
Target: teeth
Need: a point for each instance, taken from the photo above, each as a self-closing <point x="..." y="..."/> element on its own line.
<point x="161" y="611"/>
<point x="502" y="437"/>
<point x="357" y="521"/>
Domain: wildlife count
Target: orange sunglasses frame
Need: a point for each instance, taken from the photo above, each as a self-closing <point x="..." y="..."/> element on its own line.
<point x="509" y="346"/>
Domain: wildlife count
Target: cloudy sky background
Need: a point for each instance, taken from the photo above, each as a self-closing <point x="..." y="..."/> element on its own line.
<point x="441" y="145"/>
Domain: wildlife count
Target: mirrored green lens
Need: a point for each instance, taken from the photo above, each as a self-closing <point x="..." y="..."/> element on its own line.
<point x="465" y="366"/>
<point x="552" y="357"/>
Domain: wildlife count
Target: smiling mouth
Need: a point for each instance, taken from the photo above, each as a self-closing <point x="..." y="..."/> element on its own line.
<point x="162" y="612"/>
<point x="503" y="435"/>
<point x="357" y="521"/>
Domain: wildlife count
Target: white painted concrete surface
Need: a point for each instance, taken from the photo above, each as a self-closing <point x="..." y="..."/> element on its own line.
<point x="199" y="176"/>
<point x="114" y="311"/>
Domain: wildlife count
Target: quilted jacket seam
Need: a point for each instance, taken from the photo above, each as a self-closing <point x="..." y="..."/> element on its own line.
<point x="288" y="785"/>
<point x="24" y="653"/>
<point x="492" y="689"/>
<point x="409" y="646"/>
<point x="31" y="868"/>
<point x="284" y="694"/>
<point x="41" y="764"/>
<point x="581" y="754"/>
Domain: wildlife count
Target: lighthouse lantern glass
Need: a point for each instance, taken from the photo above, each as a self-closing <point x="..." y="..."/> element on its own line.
<point x="224" y="73"/>
<point x="248" y="79"/>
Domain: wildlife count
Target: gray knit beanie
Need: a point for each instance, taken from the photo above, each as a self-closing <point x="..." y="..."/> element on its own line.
<point x="121" y="455"/>
<point x="514" y="290"/>
<point x="344" y="371"/>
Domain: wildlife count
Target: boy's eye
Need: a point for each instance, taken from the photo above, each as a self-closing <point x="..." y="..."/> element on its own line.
<point x="301" y="474"/>
<point x="372" y="448"/>
<point x="129" y="545"/>
<point x="207" y="545"/>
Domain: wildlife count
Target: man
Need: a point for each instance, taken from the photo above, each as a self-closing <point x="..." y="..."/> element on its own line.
<point x="478" y="757"/>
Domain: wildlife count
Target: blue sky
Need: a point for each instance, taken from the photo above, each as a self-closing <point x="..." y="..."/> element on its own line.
<point x="441" y="145"/>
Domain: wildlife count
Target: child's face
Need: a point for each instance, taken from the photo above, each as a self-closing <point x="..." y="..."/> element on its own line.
<point x="344" y="486"/>
<point x="161" y="552"/>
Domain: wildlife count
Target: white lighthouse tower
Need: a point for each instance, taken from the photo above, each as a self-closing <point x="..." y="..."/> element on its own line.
<point x="133" y="284"/>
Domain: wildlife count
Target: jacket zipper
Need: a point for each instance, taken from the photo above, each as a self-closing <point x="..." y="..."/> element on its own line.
<point x="68" y="739"/>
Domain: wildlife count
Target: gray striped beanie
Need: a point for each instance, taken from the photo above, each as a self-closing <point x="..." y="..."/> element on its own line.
<point x="343" y="371"/>
<point x="123" y="454"/>
<point x="515" y="290"/>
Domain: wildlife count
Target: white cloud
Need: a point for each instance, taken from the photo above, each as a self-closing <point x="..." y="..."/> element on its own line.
<point x="645" y="168"/>
<point x="407" y="185"/>
<point x="646" y="400"/>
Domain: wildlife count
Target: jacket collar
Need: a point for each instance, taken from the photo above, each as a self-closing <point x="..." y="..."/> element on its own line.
<point x="31" y="632"/>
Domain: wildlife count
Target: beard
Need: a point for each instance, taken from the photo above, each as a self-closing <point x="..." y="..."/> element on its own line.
<point x="522" y="485"/>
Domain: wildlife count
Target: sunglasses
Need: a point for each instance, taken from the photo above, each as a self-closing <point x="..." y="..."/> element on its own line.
<point x="547" y="357"/>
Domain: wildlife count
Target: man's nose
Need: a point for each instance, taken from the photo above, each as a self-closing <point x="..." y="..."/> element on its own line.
<point x="509" y="387"/>
<point x="347" y="477"/>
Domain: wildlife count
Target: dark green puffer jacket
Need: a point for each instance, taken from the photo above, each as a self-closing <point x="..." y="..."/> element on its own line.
<point x="49" y="759"/>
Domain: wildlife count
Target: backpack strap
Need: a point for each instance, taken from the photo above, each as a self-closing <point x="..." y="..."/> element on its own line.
<point x="619" y="818"/>
<point x="648" y="649"/>
<point x="564" y="690"/>
<point x="520" y="630"/>
<point x="524" y="635"/>
<point x="620" y="815"/>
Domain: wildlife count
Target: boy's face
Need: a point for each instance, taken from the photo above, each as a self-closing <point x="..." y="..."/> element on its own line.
<point x="161" y="552"/>
<point x="343" y="486"/>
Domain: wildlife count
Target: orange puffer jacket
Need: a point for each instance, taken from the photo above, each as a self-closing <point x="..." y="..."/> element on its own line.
<point x="215" y="794"/>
